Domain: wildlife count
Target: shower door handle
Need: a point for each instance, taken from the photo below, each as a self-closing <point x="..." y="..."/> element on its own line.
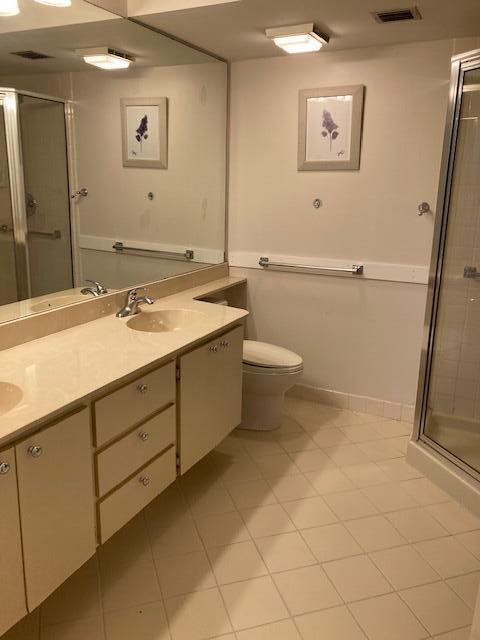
<point x="471" y="272"/>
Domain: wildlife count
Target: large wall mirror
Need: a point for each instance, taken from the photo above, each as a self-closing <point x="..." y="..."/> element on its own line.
<point x="109" y="175"/>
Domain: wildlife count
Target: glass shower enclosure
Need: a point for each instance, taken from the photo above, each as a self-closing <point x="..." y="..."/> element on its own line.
<point x="35" y="222"/>
<point x="448" y="401"/>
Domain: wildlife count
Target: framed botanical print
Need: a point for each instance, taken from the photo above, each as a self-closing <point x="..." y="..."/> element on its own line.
<point x="144" y="132"/>
<point x="330" y="128"/>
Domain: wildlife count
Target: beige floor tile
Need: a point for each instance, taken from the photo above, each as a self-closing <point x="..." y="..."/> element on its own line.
<point x="214" y="500"/>
<point x="393" y="428"/>
<point x="378" y="450"/>
<point x="267" y="521"/>
<point x="447" y="556"/>
<point x="292" y="442"/>
<point x="26" y="628"/>
<point x="251" y="494"/>
<point x="346" y="454"/>
<point x="366" y="475"/>
<point x="466" y="587"/>
<point x="174" y="536"/>
<point x="390" y="497"/>
<point x="292" y="488"/>
<point x="331" y="624"/>
<point x="458" y="634"/>
<point x="146" y="622"/>
<point x="401" y="443"/>
<point x="128" y="585"/>
<point x="361" y="433"/>
<point x="404" y="567"/>
<point x="424" y="491"/>
<point x="329" y="437"/>
<point x="258" y="443"/>
<point x="312" y="460"/>
<point x="437" y="607"/>
<point x="253" y="603"/>
<point x="453" y="517"/>
<point x="331" y="542"/>
<point x="184" y="573"/>
<point x="374" y="533"/>
<point x="330" y="481"/>
<point x="85" y="629"/>
<point x="239" y="469"/>
<point x="77" y="598"/>
<point x="309" y="512"/>
<point x="130" y="544"/>
<point x="220" y="530"/>
<point x="471" y="540"/>
<point x="416" y="524"/>
<point x="283" y="630"/>
<point x="350" y="504"/>
<point x="306" y="589"/>
<point x="276" y="466"/>
<point x="285" y="551"/>
<point x="387" y="618"/>
<point x="356" y="578"/>
<point x="399" y="469"/>
<point x="197" y="616"/>
<point x="240" y="561"/>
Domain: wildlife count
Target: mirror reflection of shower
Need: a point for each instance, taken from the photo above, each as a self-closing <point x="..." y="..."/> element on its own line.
<point x="35" y="226"/>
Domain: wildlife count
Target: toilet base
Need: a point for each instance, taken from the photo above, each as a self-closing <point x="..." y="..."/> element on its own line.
<point x="261" y="412"/>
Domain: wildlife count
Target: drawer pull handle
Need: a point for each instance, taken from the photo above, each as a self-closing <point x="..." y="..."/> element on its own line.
<point x="143" y="388"/>
<point x="225" y="343"/>
<point x="213" y="348"/>
<point x="145" y="480"/>
<point x="143" y="435"/>
<point x="4" y="468"/>
<point x="35" y="451"/>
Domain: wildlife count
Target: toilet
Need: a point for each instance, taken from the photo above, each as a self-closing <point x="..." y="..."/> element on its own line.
<point x="268" y="372"/>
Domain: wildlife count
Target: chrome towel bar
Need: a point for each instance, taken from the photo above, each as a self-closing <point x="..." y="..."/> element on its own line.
<point x="355" y="269"/>
<point x="187" y="254"/>
<point x="56" y="235"/>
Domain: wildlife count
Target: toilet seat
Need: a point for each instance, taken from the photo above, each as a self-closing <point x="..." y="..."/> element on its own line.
<point x="269" y="359"/>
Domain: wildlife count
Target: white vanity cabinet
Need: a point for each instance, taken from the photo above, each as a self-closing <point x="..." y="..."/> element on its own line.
<point x="210" y="395"/>
<point x="12" y="590"/>
<point x="56" y="492"/>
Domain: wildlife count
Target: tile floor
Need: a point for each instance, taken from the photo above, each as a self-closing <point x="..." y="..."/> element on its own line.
<point x="319" y="531"/>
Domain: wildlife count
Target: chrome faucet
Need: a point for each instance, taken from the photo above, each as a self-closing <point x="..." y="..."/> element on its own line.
<point x="97" y="290"/>
<point x="132" y="303"/>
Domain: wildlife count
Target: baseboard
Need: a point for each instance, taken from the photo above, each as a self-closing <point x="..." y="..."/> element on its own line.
<point x="364" y="404"/>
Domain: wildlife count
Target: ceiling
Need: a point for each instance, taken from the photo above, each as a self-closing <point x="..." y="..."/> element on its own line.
<point x="236" y="30"/>
<point x="148" y="47"/>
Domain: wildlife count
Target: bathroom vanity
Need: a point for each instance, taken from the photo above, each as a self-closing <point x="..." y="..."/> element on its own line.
<point x="108" y="417"/>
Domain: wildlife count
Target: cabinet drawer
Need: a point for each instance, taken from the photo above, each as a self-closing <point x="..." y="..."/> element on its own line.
<point x="134" y="495"/>
<point x="135" y="449"/>
<point x="122" y="409"/>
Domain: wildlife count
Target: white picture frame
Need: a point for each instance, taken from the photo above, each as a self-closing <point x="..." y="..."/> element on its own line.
<point x="330" y="128"/>
<point x="144" y="132"/>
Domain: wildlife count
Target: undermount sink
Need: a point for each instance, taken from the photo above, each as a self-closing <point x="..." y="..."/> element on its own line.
<point x="10" y="396"/>
<point x="53" y="303"/>
<point x="166" y="320"/>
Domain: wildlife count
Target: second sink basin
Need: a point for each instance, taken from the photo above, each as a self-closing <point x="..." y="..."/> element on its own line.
<point x="166" y="320"/>
<point x="10" y="396"/>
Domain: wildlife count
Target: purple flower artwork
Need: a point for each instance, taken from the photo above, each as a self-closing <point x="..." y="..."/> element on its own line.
<point x="142" y="131"/>
<point x="330" y="127"/>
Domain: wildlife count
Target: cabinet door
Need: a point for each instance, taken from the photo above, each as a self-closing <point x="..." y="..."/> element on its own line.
<point x="12" y="589"/>
<point x="210" y="396"/>
<point x="55" y="483"/>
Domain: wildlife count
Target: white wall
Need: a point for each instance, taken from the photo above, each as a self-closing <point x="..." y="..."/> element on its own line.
<point x="356" y="337"/>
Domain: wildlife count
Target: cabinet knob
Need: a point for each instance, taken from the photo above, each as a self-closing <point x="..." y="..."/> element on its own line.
<point x="145" y="480"/>
<point x="35" y="451"/>
<point x="143" y="388"/>
<point x="4" y="468"/>
<point x="225" y="343"/>
<point x="213" y="348"/>
<point x="143" y="435"/>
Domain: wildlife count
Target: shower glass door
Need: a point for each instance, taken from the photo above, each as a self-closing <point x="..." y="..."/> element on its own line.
<point x="450" y="420"/>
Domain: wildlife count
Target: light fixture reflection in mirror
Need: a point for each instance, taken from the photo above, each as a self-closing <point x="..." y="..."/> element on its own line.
<point x="9" y="8"/>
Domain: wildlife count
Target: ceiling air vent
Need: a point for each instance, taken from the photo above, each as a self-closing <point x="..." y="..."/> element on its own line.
<point x="397" y="15"/>
<point x="30" y="55"/>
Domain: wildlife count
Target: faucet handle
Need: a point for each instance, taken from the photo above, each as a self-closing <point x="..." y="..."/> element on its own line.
<point x="98" y="286"/>
<point x="132" y="294"/>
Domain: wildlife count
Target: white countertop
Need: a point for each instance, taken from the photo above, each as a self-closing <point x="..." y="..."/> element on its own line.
<point x="64" y="368"/>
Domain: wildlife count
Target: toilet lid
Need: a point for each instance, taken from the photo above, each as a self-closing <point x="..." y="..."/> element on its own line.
<point x="262" y="354"/>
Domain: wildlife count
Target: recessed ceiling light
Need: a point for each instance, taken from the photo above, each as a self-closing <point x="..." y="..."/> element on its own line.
<point x="9" y="8"/>
<point x="300" y="38"/>
<point x="106" y="58"/>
